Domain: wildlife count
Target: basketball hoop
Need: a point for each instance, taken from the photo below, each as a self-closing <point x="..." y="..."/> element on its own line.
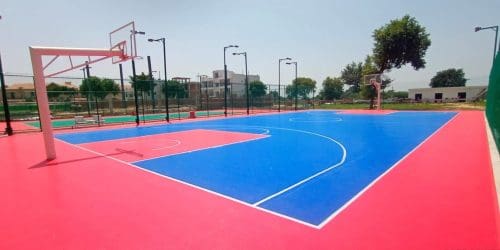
<point x="120" y="40"/>
<point x="375" y="80"/>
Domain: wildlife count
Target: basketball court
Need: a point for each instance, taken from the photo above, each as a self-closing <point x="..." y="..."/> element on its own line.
<point x="320" y="179"/>
<point x="312" y="179"/>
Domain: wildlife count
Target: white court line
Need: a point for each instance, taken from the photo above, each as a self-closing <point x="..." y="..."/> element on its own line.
<point x="200" y="149"/>
<point x="312" y="121"/>
<point x="354" y="198"/>
<point x="177" y="143"/>
<point x="344" y="155"/>
<point x="139" y="136"/>
<point x="196" y="187"/>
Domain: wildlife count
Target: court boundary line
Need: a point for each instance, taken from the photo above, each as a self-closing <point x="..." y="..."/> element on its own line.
<point x="319" y="226"/>
<point x="372" y="183"/>
<point x="195" y="186"/>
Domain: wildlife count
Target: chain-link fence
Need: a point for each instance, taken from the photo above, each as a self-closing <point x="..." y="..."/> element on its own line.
<point x="79" y="102"/>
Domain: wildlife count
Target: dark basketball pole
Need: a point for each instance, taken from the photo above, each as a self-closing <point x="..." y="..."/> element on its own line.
<point x="162" y="40"/>
<point x="246" y="79"/>
<point x="279" y="80"/>
<point x="124" y="101"/>
<point x="135" y="93"/>
<point x="225" y="77"/>
<point x="134" y="75"/>
<point x="8" y="129"/>
<point x="495" y="28"/>
<point x="296" y="84"/>
<point x="201" y="97"/>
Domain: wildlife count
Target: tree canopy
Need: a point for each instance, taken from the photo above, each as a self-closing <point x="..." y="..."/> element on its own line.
<point x="448" y="78"/>
<point x="302" y="87"/>
<point x="175" y="89"/>
<point x="351" y="75"/>
<point x="257" y="89"/>
<point x="332" y="88"/>
<point x="399" y="42"/>
<point x="144" y="82"/>
<point x="95" y="86"/>
<point x="54" y="90"/>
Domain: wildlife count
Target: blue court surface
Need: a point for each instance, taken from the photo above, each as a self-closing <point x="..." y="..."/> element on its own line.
<point x="308" y="167"/>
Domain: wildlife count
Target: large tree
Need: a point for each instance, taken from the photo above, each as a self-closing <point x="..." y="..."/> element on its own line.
<point x="100" y="88"/>
<point x="332" y="88"/>
<point x="144" y="83"/>
<point x="257" y="89"/>
<point x="175" y="89"/>
<point x="448" y="78"/>
<point x="400" y="42"/>
<point x="351" y="75"/>
<point x="302" y="87"/>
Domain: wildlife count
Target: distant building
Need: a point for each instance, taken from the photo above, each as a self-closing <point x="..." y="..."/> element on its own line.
<point x="236" y="83"/>
<point x="448" y="94"/>
<point x="20" y="91"/>
<point x="26" y="91"/>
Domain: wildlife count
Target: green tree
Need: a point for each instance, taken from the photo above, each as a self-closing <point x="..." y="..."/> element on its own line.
<point x="332" y="89"/>
<point x="175" y="89"/>
<point x="100" y="88"/>
<point x="144" y="83"/>
<point x="55" y="90"/>
<point x="399" y="42"/>
<point x="302" y="87"/>
<point x="274" y="94"/>
<point x="448" y="78"/>
<point x="257" y="89"/>
<point x="351" y="75"/>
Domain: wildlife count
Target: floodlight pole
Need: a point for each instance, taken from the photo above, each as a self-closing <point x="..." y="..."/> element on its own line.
<point x="162" y="40"/>
<point x="8" y="129"/>
<point x="296" y="84"/>
<point x="151" y="84"/>
<point x="201" y="96"/>
<point x="246" y="80"/>
<point x="279" y="80"/>
<point x="225" y="77"/>
<point x="495" y="28"/>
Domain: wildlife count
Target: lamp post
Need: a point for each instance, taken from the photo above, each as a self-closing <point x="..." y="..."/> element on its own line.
<point x="279" y="80"/>
<point x="200" y="97"/>
<point x="495" y="28"/>
<point x="225" y="77"/>
<point x="296" y="84"/>
<point x="162" y="40"/>
<point x="246" y="80"/>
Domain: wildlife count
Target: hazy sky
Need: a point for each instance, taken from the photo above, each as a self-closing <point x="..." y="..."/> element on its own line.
<point x="322" y="36"/>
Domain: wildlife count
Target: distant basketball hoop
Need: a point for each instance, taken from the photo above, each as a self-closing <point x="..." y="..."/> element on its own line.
<point x="375" y="80"/>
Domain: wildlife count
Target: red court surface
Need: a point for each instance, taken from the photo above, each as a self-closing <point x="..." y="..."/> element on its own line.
<point x="442" y="196"/>
<point x="147" y="147"/>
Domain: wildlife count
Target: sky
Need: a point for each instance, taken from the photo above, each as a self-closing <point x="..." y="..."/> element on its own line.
<point x="322" y="36"/>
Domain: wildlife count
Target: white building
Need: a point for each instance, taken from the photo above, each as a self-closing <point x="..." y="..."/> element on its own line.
<point x="236" y="83"/>
<point x="447" y="94"/>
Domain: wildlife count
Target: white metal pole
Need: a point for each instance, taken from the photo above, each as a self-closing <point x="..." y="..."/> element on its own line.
<point x="43" y="103"/>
